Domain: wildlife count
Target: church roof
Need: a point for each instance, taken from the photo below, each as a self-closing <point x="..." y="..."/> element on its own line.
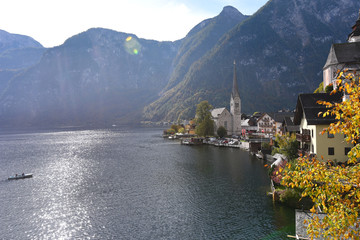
<point x="216" y="112"/>
<point x="343" y="53"/>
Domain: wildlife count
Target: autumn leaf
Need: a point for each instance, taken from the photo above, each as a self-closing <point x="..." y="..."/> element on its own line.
<point x="336" y="188"/>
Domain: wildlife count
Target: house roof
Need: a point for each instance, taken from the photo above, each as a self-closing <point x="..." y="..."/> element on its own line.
<point x="289" y="124"/>
<point x="307" y="104"/>
<point x="265" y="114"/>
<point x="216" y="112"/>
<point x="343" y="53"/>
<point x="245" y="122"/>
<point x="279" y="116"/>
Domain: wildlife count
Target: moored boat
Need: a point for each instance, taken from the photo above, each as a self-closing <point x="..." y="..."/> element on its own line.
<point x="20" y="176"/>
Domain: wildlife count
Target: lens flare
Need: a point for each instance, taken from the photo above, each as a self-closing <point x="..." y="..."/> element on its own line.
<point x="132" y="45"/>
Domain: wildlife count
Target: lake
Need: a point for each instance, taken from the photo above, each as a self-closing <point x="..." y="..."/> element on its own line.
<point x="132" y="184"/>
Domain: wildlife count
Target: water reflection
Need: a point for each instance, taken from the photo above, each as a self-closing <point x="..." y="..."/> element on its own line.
<point x="132" y="184"/>
<point x="63" y="210"/>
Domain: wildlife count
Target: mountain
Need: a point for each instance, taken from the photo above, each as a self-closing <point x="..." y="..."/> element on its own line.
<point x="96" y="77"/>
<point x="279" y="51"/>
<point x="16" y="41"/>
<point x="101" y="77"/>
<point x="200" y="40"/>
<point x="17" y="52"/>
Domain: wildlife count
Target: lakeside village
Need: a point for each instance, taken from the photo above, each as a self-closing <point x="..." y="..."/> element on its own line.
<point x="282" y="136"/>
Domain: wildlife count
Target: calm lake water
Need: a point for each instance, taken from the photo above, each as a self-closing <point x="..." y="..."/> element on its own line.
<point x="132" y="184"/>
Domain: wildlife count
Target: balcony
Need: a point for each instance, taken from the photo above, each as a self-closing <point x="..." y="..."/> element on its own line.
<point x="303" y="137"/>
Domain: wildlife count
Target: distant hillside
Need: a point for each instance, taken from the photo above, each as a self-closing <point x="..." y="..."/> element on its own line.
<point x="280" y="52"/>
<point x="17" y="52"/>
<point x="15" y="41"/>
<point x="96" y="77"/>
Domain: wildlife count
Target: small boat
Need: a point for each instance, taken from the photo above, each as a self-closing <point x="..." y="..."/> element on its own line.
<point x="20" y="176"/>
<point x="259" y="155"/>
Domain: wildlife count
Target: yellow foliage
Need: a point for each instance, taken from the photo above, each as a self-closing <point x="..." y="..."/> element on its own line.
<point x="334" y="189"/>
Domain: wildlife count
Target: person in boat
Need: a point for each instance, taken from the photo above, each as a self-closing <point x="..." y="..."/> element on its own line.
<point x="15" y="175"/>
<point x="22" y="174"/>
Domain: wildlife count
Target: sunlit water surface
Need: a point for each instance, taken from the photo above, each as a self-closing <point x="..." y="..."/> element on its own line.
<point x="132" y="184"/>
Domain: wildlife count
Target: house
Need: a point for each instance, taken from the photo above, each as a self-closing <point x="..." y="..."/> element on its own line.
<point x="266" y="124"/>
<point x="288" y="126"/>
<point x="190" y="127"/>
<point x="342" y="56"/>
<point x="279" y="119"/>
<point x="230" y="120"/>
<point x="312" y="142"/>
<point x="249" y="126"/>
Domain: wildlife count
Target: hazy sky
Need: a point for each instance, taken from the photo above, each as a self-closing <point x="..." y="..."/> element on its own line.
<point x="51" y="22"/>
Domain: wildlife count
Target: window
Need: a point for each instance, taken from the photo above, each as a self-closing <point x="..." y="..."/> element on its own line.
<point x="312" y="133"/>
<point x="347" y="150"/>
<point x="331" y="151"/>
<point x="225" y="124"/>
<point x="312" y="148"/>
<point x="330" y="135"/>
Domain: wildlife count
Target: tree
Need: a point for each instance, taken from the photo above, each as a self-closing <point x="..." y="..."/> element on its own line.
<point x="334" y="189"/>
<point x="320" y="89"/>
<point x="221" y="132"/>
<point x="287" y="145"/>
<point x="175" y="127"/>
<point x="203" y="111"/>
<point x="205" y="125"/>
<point x="205" y="128"/>
<point x="170" y="131"/>
<point x="181" y="130"/>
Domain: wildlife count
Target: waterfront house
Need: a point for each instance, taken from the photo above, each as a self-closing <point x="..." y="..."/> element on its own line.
<point x="279" y="119"/>
<point x="312" y="142"/>
<point x="266" y="124"/>
<point x="249" y="126"/>
<point x="190" y="127"/>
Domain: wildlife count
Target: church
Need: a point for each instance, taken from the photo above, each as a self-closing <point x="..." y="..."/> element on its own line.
<point x="230" y="120"/>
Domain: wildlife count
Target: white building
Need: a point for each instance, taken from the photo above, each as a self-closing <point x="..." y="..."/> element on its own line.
<point x="266" y="124"/>
<point x="343" y="56"/>
<point x="230" y="120"/>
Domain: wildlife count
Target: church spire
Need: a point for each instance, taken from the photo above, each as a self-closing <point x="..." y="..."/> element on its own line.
<point x="235" y="91"/>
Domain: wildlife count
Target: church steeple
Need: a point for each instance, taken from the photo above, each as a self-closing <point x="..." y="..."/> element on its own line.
<point x="235" y="91"/>
<point x="235" y="106"/>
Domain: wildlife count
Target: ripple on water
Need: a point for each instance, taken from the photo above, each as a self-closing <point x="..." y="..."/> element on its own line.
<point x="132" y="184"/>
